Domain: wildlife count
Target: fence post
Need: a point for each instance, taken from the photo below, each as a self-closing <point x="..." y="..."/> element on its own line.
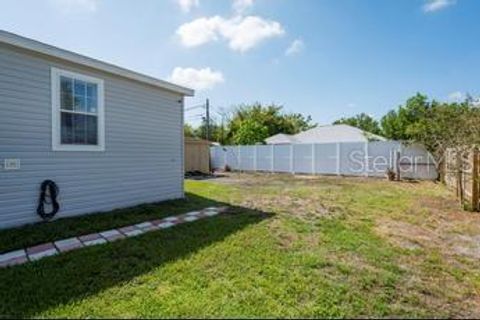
<point x="338" y="159"/>
<point x="366" y="160"/>
<point x="392" y="155"/>
<point x="272" y="160"/>
<point x="459" y="169"/>
<point x="255" y="158"/>
<point x="239" y="158"/>
<point x="475" y="180"/>
<point x="292" y="171"/>
<point x="397" y="165"/>
<point x="225" y="162"/>
<point x="313" y="158"/>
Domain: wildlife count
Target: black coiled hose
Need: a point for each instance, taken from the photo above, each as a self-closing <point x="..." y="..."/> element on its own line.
<point x="48" y="189"/>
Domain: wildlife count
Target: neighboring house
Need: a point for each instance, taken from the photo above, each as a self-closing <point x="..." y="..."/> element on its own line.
<point x="281" y="138"/>
<point x="108" y="137"/>
<point x="326" y="134"/>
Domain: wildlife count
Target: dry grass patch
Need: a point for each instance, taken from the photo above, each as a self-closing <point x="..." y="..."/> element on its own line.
<point x="303" y="246"/>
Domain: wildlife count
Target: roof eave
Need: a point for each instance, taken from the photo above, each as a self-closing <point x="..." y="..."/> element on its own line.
<point x="52" y="51"/>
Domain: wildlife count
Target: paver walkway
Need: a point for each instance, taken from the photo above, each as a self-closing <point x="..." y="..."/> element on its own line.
<point x="53" y="248"/>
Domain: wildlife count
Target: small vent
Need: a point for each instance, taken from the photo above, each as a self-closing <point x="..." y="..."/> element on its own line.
<point x="12" y="164"/>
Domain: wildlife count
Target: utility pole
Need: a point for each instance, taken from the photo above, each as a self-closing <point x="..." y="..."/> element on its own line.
<point x="223" y="131"/>
<point x="207" y="120"/>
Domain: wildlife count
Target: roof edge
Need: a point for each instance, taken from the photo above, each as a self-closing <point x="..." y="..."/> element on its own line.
<point x="49" y="50"/>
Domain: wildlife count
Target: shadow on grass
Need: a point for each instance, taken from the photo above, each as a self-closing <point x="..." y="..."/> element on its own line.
<point x="62" y="228"/>
<point x="35" y="287"/>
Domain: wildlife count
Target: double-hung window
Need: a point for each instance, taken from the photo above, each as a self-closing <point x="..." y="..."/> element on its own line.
<point x="77" y="112"/>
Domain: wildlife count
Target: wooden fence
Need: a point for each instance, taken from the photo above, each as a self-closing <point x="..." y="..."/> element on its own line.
<point x="197" y="155"/>
<point x="462" y="174"/>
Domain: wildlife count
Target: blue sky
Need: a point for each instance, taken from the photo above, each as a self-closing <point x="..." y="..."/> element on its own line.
<point x="326" y="58"/>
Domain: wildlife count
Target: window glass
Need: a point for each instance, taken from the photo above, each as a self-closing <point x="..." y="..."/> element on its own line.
<point x="79" y="129"/>
<point x="78" y="111"/>
<point x="91" y="98"/>
<point x="66" y="93"/>
<point x="92" y="130"/>
<point x="67" y="128"/>
<point x="80" y="96"/>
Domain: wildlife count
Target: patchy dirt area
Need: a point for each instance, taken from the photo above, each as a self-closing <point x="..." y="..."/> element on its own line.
<point x="304" y="197"/>
<point x="349" y="221"/>
<point x="438" y="224"/>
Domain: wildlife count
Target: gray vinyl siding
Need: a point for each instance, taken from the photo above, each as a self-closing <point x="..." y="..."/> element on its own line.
<point x="143" y="157"/>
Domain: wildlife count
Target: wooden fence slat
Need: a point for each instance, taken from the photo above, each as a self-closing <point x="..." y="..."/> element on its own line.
<point x="464" y="176"/>
<point x="475" y="179"/>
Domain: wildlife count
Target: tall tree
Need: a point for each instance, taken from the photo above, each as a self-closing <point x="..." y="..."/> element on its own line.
<point x="395" y="123"/>
<point x="188" y="130"/>
<point x="214" y="129"/>
<point x="438" y="126"/>
<point x="254" y="123"/>
<point x="362" y="121"/>
<point x="250" y="132"/>
<point x="444" y="125"/>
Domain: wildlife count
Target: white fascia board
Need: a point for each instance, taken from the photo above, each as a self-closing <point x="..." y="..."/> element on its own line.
<point x="42" y="48"/>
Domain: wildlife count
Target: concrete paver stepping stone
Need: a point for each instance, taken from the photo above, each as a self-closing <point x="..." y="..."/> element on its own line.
<point x="13" y="258"/>
<point x="131" y="231"/>
<point x="49" y="249"/>
<point x="112" y="235"/>
<point x="146" y="226"/>
<point x="41" y="251"/>
<point x="68" y="244"/>
<point x="92" y="239"/>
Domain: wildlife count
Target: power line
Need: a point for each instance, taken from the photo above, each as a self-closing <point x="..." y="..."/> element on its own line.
<point x="195" y="107"/>
<point x="195" y="118"/>
<point x="194" y="115"/>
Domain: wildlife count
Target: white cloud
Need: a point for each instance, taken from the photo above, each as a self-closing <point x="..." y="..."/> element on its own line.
<point x="245" y="33"/>
<point x="200" y="31"/>
<point x="73" y="6"/>
<point x="187" y="5"/>
<point x="198" y="79"/>
<point x="295" y="47"/>
<point x="241" y="5"/>
<point x="242" y="33"/>
<point x="436" y="5"/>
<point x="456" y="96"/>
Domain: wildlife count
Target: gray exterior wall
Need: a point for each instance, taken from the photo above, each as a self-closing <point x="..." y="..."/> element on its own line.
<point x="143" y="157"/>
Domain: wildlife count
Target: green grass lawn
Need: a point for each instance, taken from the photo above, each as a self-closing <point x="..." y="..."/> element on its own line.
<point x="289" y="247"/>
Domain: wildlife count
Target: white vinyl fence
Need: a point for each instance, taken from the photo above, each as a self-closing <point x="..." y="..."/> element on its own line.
<point x="350" y="159"/>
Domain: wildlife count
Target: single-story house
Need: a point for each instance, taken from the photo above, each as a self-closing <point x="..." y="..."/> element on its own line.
<point x="326" y="134"/>
<point x="108" y="137"/>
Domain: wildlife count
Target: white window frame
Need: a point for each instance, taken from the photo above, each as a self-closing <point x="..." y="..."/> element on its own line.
<point x="57" y="145"/>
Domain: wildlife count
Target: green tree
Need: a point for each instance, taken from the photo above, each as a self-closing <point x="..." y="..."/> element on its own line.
<point x="250" y="124"/>
<point x="294" y="123"/>
<point x="362" y="121"/>
<point x="250" y="132"/>
<point x="395" y="123"/>
<point x="214" y="131"/>
<point x="188" y="130"/>
<point x="437" y="126"/>
<point x="447" y="125"/>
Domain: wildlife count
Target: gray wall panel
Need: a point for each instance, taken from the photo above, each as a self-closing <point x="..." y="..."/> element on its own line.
<point x="142" y="161"/>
